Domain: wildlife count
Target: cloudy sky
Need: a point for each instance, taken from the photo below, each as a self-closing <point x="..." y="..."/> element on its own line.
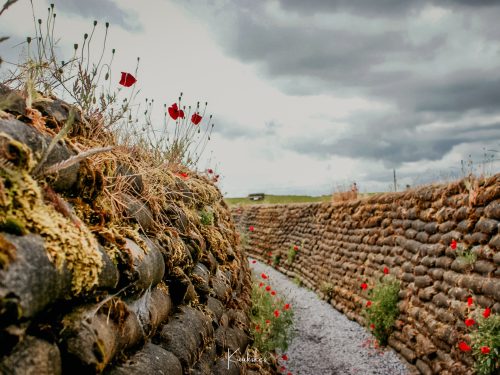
<point x="310" y="95"/>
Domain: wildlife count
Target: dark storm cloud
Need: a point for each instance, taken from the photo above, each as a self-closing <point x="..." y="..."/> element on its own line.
<point x="395" y="145"/>
<point x="102" y="10"/>
<point x="380" y="8"/>
<point x="381" y="50"/>
<point x="343" y="57"/>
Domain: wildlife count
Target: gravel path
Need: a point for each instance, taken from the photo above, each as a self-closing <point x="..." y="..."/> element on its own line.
<point x="326" y="342"/>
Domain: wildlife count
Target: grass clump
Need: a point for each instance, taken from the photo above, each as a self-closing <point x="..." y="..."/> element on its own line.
<point x="206" y="217"/>
<point x="326" y="287"/>
<point x="272" y="320"/>
<point x="276" y="260"/>
<point x="383" y="310"/>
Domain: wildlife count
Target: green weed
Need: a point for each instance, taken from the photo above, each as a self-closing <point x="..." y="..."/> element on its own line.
<point x="383" y="311"/>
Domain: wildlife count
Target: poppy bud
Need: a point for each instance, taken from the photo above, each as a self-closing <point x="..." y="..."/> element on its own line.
<point x="95" y="23"/>
<point x="75" y="46"/>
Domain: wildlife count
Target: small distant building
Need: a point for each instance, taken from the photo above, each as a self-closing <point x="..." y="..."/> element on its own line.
<point x="256" y="196"/>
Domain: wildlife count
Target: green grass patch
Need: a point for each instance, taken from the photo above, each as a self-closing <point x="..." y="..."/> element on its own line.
<point x="279" y="199"/>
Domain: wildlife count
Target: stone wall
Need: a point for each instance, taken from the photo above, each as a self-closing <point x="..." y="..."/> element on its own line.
<point x="94" y="278"/>
<point x="346" y="244"/>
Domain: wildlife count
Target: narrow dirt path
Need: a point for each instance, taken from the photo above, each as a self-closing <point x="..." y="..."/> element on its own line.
<point x="326" y="342"/>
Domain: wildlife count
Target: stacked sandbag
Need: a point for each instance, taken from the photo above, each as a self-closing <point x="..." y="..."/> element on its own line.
<point x="96" y="280"/>
<point x="342" y="245"/>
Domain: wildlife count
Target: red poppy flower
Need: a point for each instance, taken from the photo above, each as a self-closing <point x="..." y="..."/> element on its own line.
<point x="368" y="303"/>
<point x="485" y="349"/>
<point x="276" y="313"/>
<point x="254" y="261"/>
<point x="282" y="368"/>
<point x="251" y="228"/>
<point x="181" y="113"/>
<point x="469" y="301"/>
<point x="487" y="312"/>
<point x="386" y="270"/>
<point x="261" y="285"/>
<point x="296" y="248"/>
<point x="372" y="326"/>
<point x="196" y="118"/>
<point x="263" y="275"/>
<point x="287" y="306"/>
<point x="462" y="345"/>
<point x="453" y="244"/>
<point x="284" y="357"/>
<point x="209" y="170"/>
<point x="289" y="373"/>
<point x="257" y="327"/>
<point x="268" y="321"/>
<point x="364" y="286"/>
<point x="268" y="288"/>
<point x="173" y="111"/>
<point x="273" y="293"/>
<point x="270" y="253"/>
<point x="127" y="79"/>
<point x="469" y="322"/>
<point x="183" y="175"/>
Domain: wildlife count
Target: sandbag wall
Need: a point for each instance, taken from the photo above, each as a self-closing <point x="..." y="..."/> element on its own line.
<point x="155" y="291"/>
<point x="342" y="245"/>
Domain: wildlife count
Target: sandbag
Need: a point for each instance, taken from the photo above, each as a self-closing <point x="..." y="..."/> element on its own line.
<point x="29" y="282"/>
<point x="151" y="359"/>
<point x="185" y="333"/>
<point x="32" y="356"/>
<point x="93" y="335"/>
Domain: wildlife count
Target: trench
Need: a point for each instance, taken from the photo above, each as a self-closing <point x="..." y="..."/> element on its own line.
<point x="325" y="341"/>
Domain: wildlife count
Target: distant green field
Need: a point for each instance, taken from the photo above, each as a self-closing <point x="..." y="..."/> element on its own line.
<point x="282" y="199"/>
<point x="275" y="199"/>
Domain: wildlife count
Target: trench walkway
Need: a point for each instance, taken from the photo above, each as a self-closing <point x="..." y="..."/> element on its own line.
<point x="326" y="342"/>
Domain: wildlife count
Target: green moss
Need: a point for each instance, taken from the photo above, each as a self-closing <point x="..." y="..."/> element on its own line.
<point x="13" y="226"/>
<point x="67" y="244"/>
<point x="206" y="217"/>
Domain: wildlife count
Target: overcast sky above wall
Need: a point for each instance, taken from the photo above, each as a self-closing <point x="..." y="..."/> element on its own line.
<point x="310" y="95"/>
